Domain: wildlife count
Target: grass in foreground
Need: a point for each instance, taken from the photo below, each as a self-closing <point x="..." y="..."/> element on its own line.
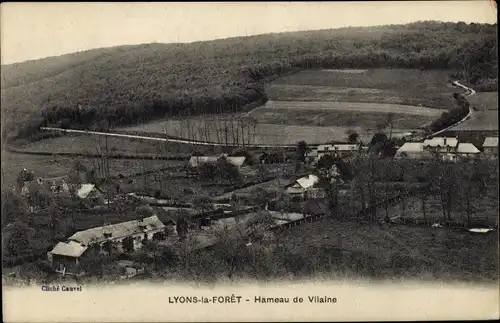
<point x="378" y="251"/>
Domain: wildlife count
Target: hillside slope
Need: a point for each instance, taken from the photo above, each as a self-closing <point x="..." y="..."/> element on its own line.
<point x="131" y="84"/>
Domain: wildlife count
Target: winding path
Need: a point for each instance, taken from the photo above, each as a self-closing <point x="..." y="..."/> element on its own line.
<point x="470" y="92"/>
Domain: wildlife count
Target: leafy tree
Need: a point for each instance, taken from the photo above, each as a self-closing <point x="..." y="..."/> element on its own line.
<point x="16" y="238"/>
<point x="128" y="244"/>
<point x="203" y="203"/>
<point x="144" y="211"/>
<point x="301" y="151"/>
<point x="208" y="172"/>
<point x="24" y="176"/>
<point x="14" y="208"/>
<point x="377" y="142"/>
<point x="352" y="137"/>
<point x="227" y="171"/>
<point x="39" y="196"/>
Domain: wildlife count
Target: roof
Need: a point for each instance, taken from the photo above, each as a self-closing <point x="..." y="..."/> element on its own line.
<point x="467" y="148"/>
<point x="85" y="190"/>
<point x="312" y="153"/>
<point x="196" y="161"/>
<point x="69" y="248"/>
<point x="308" y="181"/>
<point x="411" y="147"/>
<point x="441" y="141"/>
<point x="491" y="142"/>
<point x="119" y="230"/>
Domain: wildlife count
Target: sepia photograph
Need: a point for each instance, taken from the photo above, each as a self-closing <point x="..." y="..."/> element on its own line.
<point x="249" y="161"/>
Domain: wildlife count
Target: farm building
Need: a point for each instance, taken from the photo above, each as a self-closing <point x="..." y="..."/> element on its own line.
<point x="54" y="185"/>
<point x="302" y="185"/>
<point x="336" y="149"/>
<point x="130" y="268"/>
<point x="91" y="193"/>
<point x="449" y="149"/>
<point x="490" y="146"/>
<point x="467" y="149"/>
<point x="441" y="144"/>
<point x="66" y="256"/>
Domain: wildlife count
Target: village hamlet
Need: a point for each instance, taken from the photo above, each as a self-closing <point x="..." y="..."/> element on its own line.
<point x="360" y="152"/>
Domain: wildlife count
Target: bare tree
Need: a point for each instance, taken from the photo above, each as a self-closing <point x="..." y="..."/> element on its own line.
<point x="233" y="240"/>
<point x="390" y="123"/>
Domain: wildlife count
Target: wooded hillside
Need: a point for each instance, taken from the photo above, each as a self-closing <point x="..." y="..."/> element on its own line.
<point x="132" y="84"/>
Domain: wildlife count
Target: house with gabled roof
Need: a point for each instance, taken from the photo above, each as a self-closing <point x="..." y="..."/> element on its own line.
<point x="66" y="256"/>
<point x="90" y="193"/>
<point x="490" y="146"/>
<point x="446" y="148"/>
<point x="303" y="184"/>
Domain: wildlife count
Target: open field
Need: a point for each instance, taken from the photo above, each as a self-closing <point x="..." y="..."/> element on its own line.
<point x="484" y="100"/>
<point x="93" y="144"/>
<point x="334" y="107"/>
<point x="486" y="120"/>
<point x="53" y="166"/>
<point x="265" y="133"/>
<point x="343" y="114"/>
<point x="393" y="86"/>
<point x="43" y="166"/>
<point x="376" y="251"/>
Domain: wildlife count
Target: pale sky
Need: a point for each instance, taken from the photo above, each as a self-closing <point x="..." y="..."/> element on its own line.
<point x="36" y="30"/>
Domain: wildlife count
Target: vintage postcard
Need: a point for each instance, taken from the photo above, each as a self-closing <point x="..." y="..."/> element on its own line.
<point x="249" y="161"/>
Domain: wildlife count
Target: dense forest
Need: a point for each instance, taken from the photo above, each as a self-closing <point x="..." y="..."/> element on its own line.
<point x="131" y="84"/>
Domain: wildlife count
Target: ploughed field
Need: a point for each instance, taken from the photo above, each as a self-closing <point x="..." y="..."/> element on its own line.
<point x="343" y="114"/>
<point x="319" y="106"/>
<point x="413" y="87"/>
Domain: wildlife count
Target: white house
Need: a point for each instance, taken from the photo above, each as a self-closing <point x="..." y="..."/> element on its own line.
<point x="90" y="192"/>
<point x="448" y="149"/>
<point x="303" y="184"/>
<point x="332" y="149"/>
<point x="441" y="144"/>
<point x="411" y="150"/>
<point x="466" y="149"/>
<point x="490" y="146"/>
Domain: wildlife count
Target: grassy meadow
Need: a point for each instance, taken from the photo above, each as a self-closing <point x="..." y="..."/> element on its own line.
<point x="427" y="88"/>
<point x="355" y="249"/>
